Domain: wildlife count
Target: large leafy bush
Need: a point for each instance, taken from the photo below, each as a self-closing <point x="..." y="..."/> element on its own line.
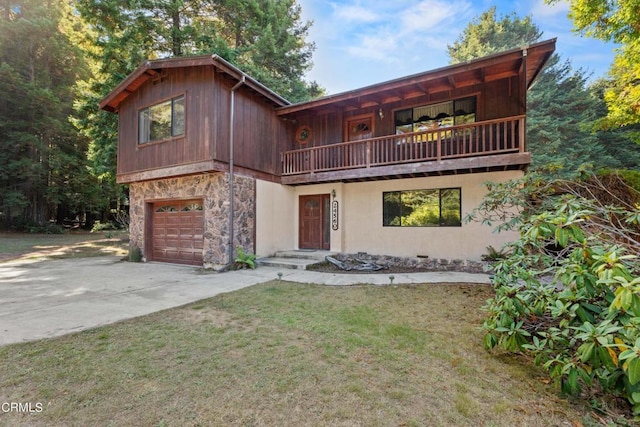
<point x="568" y="291"/>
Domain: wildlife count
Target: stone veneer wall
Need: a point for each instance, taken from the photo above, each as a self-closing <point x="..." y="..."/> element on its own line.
<point x="430" y="264"/>
<point x="214" y="190"/>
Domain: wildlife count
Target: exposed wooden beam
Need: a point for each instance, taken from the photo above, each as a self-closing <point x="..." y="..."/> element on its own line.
<point x="368" y="104"/>
<point x="500" y="76"/>
<point x="511" y="161"/>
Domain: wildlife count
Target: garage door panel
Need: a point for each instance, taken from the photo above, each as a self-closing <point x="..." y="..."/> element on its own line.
<point x="178" y="232"/>
<point x="185" y="244"/>
<point x="172" y="219"/>
<point x="173" y="232"/>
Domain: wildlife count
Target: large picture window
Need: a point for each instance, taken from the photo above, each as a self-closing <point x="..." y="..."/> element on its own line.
<point x="436" y="116"/>
<point x="161" y="121"/>
<point x="422" y="208"/>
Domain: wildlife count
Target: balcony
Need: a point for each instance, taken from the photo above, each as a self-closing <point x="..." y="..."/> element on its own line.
<point x="475" y="147"/>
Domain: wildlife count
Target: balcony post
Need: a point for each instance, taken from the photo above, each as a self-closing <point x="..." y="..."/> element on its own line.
<point x="368" y="159"/>
<point x="521" y="134"/>
<point x="312" y="161"/>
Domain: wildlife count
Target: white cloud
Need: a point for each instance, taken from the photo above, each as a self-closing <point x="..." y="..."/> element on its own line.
<point x="354" y="13"/>
<point x="430" y="15"/>
<point x="380" y="46"/>
<point x="406" y="30"/>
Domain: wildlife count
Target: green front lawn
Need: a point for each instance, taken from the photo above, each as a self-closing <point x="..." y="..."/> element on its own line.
<point x="285" y="354"/>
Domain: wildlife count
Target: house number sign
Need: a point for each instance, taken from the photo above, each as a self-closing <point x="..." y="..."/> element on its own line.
<point x="334" y="215"/>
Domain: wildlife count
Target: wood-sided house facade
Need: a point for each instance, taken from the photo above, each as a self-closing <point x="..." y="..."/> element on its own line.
<point x="389" y="169"/>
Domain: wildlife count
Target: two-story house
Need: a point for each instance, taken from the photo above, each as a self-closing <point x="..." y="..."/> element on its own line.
<point x="389" y="169"/>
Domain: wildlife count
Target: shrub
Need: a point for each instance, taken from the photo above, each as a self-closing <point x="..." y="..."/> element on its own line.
<point x="135" y="254"/>
<point x="244" y="260"/>
<point x="27" y="226"/>
<point x="493" y="254"/>
<point x="574" y="309"/>
<point x="103" y="226"/>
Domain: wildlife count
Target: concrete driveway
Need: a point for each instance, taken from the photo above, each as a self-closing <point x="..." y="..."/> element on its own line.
<point x="40" y="299"/>
<point x="48" y="298"/>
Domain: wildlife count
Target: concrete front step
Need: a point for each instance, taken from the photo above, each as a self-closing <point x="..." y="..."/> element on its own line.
<point x="294" y="259"/>
<point x="304" y="254"/>
<point x="290" y="263"/>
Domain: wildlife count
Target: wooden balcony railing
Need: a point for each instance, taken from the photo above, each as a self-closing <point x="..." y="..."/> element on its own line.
<point x="469" y="140"/>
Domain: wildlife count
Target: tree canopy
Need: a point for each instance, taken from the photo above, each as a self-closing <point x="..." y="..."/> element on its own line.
<point x="265" y="38"/>
<point x="562" y="108"/>
<point x="42" y="158"/>
<point x="617" y="21"/>
<point x="486" y="35"/>
<point x="59" y="58"/>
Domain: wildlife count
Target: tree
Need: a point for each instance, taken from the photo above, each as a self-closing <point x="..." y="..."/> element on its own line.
<point x="485" y="35"/>
<point x="561" y="111"/>
<point x="561" y="108"/>
<point x="42" y="163"/>
<point x="621" y="142"/>
<point x="617" y="21"/>
<point x="265" y="38"/>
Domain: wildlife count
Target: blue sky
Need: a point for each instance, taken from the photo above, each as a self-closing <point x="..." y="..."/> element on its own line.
<point x="362" y="42"/>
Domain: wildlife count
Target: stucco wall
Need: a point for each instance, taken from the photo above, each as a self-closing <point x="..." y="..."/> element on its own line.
<point x="363" y="220"/>
<point x="360" y="219"/>
<point x="275" y="218"/>
<point x="214" y="190"/>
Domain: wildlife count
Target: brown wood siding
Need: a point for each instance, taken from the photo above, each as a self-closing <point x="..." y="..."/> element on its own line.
<point x="497" y="99"/>
<point x="501" y="98"/>
<point x="207" y="101"/>
<point x="257" y="133"/>
<point x="260" y="135"/>
<point x="197" y="85"/>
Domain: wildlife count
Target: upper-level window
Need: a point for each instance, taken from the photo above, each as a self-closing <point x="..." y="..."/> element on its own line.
<point x="161" y="121"/>
<point x="435" y="116"/>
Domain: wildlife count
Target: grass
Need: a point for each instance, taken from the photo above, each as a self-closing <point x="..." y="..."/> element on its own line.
<point x="288" y="354"/>
<point x="67" y="245"/>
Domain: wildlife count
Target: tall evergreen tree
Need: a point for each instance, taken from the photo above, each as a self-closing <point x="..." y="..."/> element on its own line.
<point x="561" y="113"/>
<point x="486" y="35"/>
<point x="265" y="38"/>
<point x="42" y="166"/>
<point x="561" y="108"/>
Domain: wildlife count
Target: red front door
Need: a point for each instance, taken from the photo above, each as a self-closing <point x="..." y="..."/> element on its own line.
<point x="314" y="222"/>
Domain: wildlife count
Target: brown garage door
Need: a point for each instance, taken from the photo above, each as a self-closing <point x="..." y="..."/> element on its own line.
<point x="178" y="228"/>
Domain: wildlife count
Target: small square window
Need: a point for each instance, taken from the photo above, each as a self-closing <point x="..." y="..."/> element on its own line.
<point x="161" y="121"/>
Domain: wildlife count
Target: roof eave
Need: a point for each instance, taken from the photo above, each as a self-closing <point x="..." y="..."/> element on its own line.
<point x="547" y="47"/>
<point x="148" y="69"/>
